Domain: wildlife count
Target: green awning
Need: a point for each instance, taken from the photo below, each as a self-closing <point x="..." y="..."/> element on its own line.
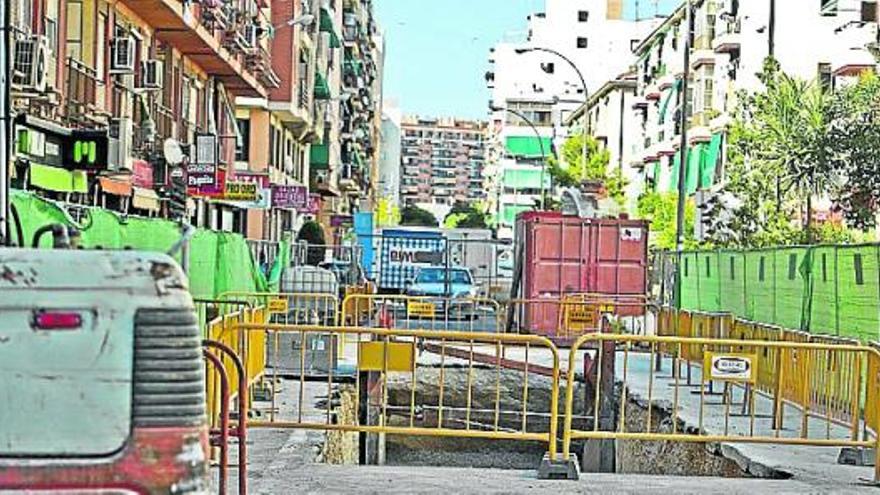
<point x="710" y="161"/>
<point x="334" y="40"/>
<point x="692" y="172"/>
<point x="322" y="89"/>
<point x="508" y="213"/>
<point x="695" y="158"/>
<point x="670" y="94"/>
<point x="673" y="178"/>
<point x="58" y="179"/>
<point x="528" y="146"/>
<point x="326" y="22"/>
<point x="358" y="161"/>
<point x="319" y="156"/>
<point x="525" y="178"/>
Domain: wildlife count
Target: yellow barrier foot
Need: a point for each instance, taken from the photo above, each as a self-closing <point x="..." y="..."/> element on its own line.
<point x="559" y="469"/>
<point x="856" y="456"/>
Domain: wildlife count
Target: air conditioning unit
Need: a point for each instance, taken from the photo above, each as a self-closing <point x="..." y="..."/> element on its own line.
<point x="119" y="153"/>
<point x="30" y="69"/>
<point x="122" y="55"/>
<point x="321" y="177"/>
<point x="151" y="74"/>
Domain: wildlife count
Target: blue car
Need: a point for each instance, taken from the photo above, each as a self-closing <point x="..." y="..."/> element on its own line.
<point x="442" y="287"/>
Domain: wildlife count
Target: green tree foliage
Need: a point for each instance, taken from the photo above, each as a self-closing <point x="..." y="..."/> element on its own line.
<point x="661" y="209"/>
<point x="466" y="216"/>
<point x="855" y="138"/>
<point x="312" y="234"/>
<point x="387" y="214"/>
<point x="413" y="216"/>
<point x="572" y="171"/>
<point x="794" y="141"/>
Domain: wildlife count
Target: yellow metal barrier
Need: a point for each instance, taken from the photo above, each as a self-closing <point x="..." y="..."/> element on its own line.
<point x="405" y="381"/>
<point x="571" y="315"/>
<point x="815" y="386"/>
<point x="311" y="308"/>
<point x="251" y="350"/>
<point x="468" y="314"/>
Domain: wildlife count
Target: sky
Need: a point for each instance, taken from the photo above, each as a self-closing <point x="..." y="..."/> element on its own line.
<point x="437" y="50"/>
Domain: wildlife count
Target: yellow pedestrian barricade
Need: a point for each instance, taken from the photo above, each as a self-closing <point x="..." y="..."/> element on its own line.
<point x="409" y="375"/>
<point x="814" y="399"/>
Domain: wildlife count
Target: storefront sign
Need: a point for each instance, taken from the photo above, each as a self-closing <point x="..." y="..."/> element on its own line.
<point x="341" y="221"/>
<point x="208" y="190"/>
<point x="200" y="176"/>
<point x="248" y="190"/>
<point x="202" y="170"/>
<point x="292" y="197"/>
<point x="142" y="174"/>
<point x="240" y="191"/>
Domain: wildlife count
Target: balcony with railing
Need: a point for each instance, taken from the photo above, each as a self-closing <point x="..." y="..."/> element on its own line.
<point x="728" y="36"/>
<point x="215" y="34"/>
<point x="82" y="90"/>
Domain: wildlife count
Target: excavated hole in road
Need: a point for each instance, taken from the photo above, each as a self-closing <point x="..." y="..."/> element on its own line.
<point x="630" y="456"/>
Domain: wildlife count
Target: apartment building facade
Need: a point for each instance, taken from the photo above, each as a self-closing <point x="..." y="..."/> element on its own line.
<point x="442" y="162"/>
<point x="730" y="42"/>
<point x="203" y="112"/>
<point x="526" y="79"/>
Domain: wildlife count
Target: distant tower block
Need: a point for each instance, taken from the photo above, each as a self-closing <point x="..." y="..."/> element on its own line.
<point x="615" y="9"/>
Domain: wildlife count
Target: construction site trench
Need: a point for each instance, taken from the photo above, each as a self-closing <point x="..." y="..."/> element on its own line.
<point x="621" y="456"/>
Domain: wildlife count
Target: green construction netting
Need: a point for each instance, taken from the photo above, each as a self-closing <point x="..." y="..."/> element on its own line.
<point x="833" y="290"/>
<point x="528" y="146"/>
<point x="219" y="261"/>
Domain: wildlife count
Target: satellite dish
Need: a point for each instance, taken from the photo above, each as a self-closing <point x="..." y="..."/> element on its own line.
<point x="172" y="151"/>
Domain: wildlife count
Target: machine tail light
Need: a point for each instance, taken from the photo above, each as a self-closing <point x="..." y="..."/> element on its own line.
<point x="57" y="320"/>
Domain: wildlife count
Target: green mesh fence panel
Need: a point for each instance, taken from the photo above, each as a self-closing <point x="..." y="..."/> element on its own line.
<point x="788" y="286"/>
<point x="34" y="213"/>
<point x="731" y="282"/>
<point x="858" y="285"/>
<point x="219" y="262"/>
<point x="824" y="303"/>
<point x="707" y="264"/>
<point x="759" y="281"/>
<point x="823" y="289"/>
<point x="690" y="288"/>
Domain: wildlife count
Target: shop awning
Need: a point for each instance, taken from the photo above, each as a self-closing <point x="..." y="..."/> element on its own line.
<point x="145" y="199"/>
<point x="115" y="187"/>
<point x="319" y="156"/>
<point x="322" y="89"/>
<point x="528" y="146"/>
<point x="526" y="178"/>
<point x="58" y="179"/>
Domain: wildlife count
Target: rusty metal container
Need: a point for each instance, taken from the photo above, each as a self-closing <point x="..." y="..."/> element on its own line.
<point x="564" y="255"/>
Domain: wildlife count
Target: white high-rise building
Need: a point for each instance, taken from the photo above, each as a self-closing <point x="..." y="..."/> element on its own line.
<point x="389" y="156"/>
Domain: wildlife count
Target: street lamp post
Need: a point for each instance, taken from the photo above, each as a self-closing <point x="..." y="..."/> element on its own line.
<point x="580" y="75"/>
<point x="540" y="143"/>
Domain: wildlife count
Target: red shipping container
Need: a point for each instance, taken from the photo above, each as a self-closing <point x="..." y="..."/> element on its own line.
<point x="571" y="255"/>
